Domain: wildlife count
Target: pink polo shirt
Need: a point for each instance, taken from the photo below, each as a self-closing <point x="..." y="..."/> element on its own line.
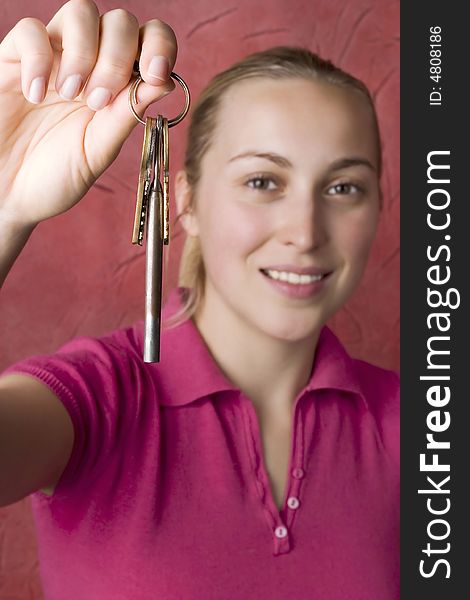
<point x="166" y="494"/>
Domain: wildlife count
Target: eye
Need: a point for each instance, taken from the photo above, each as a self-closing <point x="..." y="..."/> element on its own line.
<point x="343" y="188"/>
<point x="258" y="182"/>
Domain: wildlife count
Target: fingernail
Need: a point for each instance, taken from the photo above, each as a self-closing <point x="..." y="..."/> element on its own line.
<point x="70" y="87"/>
<point x="98" y="98"/>
<point x="159" y="67"/>
<point x="37" y="90"/>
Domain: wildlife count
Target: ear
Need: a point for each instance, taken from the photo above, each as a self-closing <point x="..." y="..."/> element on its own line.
<point x="184" y="204"/>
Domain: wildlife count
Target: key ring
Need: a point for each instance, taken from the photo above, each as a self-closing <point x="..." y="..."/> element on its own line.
<point x="171" y="122"/>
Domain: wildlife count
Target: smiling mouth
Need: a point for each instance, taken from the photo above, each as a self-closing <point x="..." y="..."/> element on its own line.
<point x="293" y="278"/>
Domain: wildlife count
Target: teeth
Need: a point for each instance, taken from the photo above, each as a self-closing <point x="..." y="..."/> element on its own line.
<point x="294" y="278"/>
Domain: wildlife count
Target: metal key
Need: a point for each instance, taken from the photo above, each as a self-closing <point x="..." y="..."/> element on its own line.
<point x="145" y="180"/>
<point x="165" y="158"/>
<point x="154" y="256"/>
<point x="152" y="212"/>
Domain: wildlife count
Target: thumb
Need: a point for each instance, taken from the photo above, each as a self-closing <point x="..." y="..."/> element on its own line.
<point x="111" y="126"/>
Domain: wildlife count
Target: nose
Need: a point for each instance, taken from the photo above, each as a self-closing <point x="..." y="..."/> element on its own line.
<point x="302" y="225"/>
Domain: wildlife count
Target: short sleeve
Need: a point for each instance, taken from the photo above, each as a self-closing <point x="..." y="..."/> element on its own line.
<point x="99" y="381"/>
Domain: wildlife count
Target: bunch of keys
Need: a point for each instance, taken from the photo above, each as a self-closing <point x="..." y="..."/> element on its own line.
<point x="152" y="212"/>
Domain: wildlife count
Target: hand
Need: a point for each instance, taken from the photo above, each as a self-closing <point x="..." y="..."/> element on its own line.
<point x="64" y="112"/>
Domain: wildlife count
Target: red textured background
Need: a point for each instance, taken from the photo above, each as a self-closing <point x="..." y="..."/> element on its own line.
<point x="80" y="274"/>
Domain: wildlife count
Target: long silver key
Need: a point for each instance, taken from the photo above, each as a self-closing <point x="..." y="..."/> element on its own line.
<point x="154" y="257"/>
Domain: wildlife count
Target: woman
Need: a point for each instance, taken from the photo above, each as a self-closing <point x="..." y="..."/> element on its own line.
<point x="257" y="459"/>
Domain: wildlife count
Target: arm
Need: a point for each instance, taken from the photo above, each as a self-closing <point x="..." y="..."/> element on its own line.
<point x="85" y="131"/>
<point x="12" y="240"/>
<point x="36" y="437"/>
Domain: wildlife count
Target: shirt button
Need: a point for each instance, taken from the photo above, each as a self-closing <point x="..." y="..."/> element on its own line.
<point x="280" y="532"/>
<point x="293" y="502"/>
<point x="298" y="473"/>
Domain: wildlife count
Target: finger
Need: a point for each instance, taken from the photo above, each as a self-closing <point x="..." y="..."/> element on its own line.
<point x="159" y="49"/>
<point x="74" y="32"/>
<point x="111" y="126"/>
<point x="28" y="44"/>
<point x="118" y="47"/>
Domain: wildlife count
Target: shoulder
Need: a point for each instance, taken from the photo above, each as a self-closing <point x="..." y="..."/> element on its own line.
<point x="87" y="369"/>
<point x="104" y="387"/>
<point x="122" y="344"/>
<point x="378" y="383"/>
<point x="381" y="387"/>
<point x="111" y="353"/>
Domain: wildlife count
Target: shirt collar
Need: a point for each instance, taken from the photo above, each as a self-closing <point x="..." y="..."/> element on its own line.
<point x="333" y="368"/>
<point x="187" y="370"/>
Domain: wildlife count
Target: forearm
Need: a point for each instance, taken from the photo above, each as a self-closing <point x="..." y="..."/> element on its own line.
<point x="13" y="238"/>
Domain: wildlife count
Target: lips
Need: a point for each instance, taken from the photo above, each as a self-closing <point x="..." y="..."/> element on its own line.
<point x="297" y="270"/>
<point x="300" y="283"/>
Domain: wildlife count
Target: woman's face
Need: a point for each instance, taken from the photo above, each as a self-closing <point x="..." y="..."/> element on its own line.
<point x="289" y="190"/>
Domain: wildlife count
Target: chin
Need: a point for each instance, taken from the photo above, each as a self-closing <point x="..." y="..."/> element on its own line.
<point x="292" y="330"/>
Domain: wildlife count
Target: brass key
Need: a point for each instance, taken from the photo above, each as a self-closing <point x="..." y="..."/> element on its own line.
<point x="145" y="180"/>
<point x="152" y="212"/>
<point x="165" y="158"/>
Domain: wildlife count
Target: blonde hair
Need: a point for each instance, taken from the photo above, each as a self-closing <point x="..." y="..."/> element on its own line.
<point x="281" y="62"/>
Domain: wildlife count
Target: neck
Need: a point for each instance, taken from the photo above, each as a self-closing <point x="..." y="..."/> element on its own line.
<point x="269" y="371"/>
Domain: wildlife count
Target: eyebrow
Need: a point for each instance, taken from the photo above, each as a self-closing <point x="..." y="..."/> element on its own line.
<point x="281" y="161"/>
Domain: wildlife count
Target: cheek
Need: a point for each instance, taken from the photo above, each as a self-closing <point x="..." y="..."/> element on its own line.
<point x="356" y="237"/>
<point x="230" y="233"/>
